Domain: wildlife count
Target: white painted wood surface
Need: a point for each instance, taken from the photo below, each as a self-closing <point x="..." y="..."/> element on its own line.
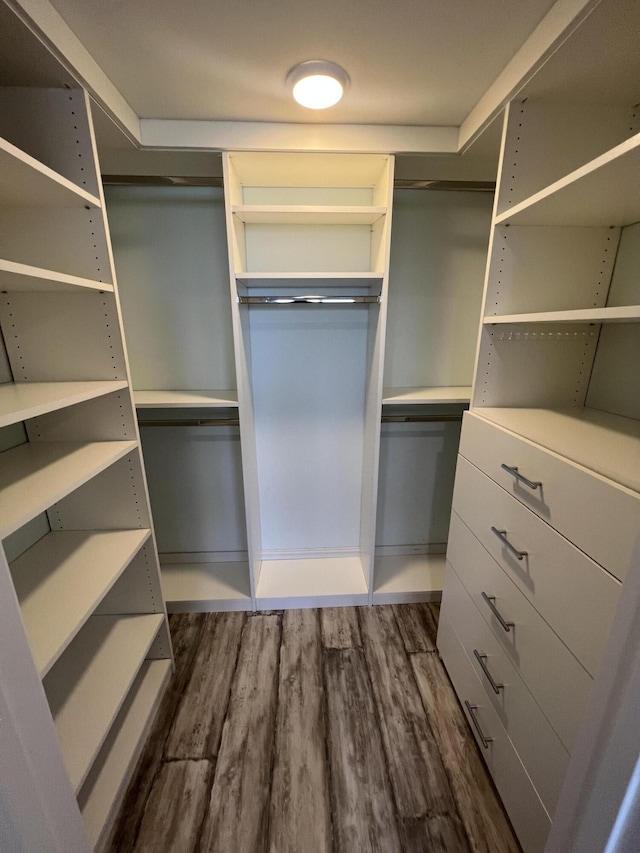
<point x="329" y="581"/>
<point x="616" y="314"/>
<point x="201" y="586"/>
<point x="19" y="401"/>
<point x="202" y="399"/>
<point x="434" y="396"/>
<point x="408" y="577"/>
<point x="16" y="277"/>
<point x="308" y="214"/>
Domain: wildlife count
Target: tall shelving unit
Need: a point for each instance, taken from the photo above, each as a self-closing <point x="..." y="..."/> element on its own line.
<point x="85" y="653"/>
<point x="547" y="496"/>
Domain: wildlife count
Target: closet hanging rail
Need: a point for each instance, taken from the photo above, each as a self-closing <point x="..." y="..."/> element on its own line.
<point x="197" y="422"/>
<point x="307" y="300"/>
<point x="412" y="419"/>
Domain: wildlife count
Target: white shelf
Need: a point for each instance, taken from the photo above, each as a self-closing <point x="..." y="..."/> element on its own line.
<point x="61" y="579"/>
<point x="420" y="396"/>
<point x="293" y="279"/>
<point x="193" y="587"/>
<point x="34" y="476"/>
<point x="604" y="192"/>
<point x="290" y="214"/>
<point x="408" y="578"/>
<point x="607" y="444"/>
<point x="22" y="400"/>
<point x="325" y="581"/>
<point x="204" y="399"/>
<point x="15" y="277"/>
<point x="25" y="182"/>
<point x="106" y="783"/>
<point x="614" y="314"/>
<point x="88" y="685"/>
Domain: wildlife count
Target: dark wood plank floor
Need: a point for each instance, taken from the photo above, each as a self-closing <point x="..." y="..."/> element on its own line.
<point x="311" y="731"/>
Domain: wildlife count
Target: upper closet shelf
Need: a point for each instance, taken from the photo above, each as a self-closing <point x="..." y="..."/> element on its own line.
<point x="294" y="279"/>
<point x="25" y="182"/>
<point x="429" y="395"/>
<point x="185" y="399"/>
<point x="605" y="191"/>
<point x="22" y="400"/>
<point x="614" y="314"/>
<point x="308" y="214"/>
<point x="605" y="443"/>
<point x="34" y="476"/>
<point x="22" y="277"/>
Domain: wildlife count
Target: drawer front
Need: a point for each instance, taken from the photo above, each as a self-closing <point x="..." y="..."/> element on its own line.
<point x="571" y="592"/>
<point x="557" y="680"/>
<point x="526" y="812"/>
<point x="540" y="749"/>
<point x="597" y="515"/>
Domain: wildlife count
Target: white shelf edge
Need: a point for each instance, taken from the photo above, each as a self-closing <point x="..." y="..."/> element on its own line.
<point x="23" y="277"/>
<point x="22" y="161"/>
<point x="432" y="395"/>
<point x="314" y="214"/>
<point x="613" y="314"/>
<point x="20" y="401"/>
<point x="36" y="475"/>
<point x="168" y="399"/>
<point x="291" y="279"/>
<point x="90" y="683"/>
<point x="107" y="781"/>
<point x="56" y="592"/>
<point x="199" y="586"/>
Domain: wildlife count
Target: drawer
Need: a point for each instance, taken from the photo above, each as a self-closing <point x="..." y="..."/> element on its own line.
<point x="526" y="812"/>
<point x="540" y="749"/>
<point x="558" y="682"/>
<point x="596" y="514"/>
<point x="571" y="592"/>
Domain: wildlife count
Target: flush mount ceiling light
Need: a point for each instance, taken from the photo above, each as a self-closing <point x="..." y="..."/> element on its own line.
<point x="318" y="83"/>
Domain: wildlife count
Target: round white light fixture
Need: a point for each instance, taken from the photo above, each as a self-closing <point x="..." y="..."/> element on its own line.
<point x="318" y="83"/>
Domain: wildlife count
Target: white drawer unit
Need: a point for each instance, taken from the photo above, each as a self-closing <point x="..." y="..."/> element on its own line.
<point x="526" y="811"/>
<point x="544" y="756"/>
<point x="557" y="680"/>
<point x="599" y="516"/>
<point x="548" y="569"/>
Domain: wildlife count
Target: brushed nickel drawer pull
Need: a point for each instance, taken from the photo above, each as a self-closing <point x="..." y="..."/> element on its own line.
<point x="472" y="709"/>
<point x="511" y="469"/>
<point x="481" y="660"/>
<point x="502" y="536"/>
<point x="490" y="599"/>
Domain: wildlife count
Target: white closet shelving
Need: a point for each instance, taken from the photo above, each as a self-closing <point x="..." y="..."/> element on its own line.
<point x="83" y="615"/>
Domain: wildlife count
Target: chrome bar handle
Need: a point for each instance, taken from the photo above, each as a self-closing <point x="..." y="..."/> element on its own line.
<point x="490" y="601"/>
<point x="481" y="660"/>
<point x="472" y="709"/>
<point x="502" y="536"/>
<point x="511" y="469"/>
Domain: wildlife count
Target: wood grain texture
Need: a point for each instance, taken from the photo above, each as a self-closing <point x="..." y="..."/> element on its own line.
<point x="418" y="625"/>
<point x="420" y="783"/>
<point x="237" y="819"/>
<point x="481" y="812"/>
<point x="175" y="809"/>
<point x="197" y="724"/>
<point x="361" y="796"/>
<point x="433" y="835"/>
<point x="300" y="818"/>
<point x="186" y="629"/>
<point x="340" y="629"/>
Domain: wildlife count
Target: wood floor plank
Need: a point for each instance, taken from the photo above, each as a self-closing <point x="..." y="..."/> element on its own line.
<point x="185" y="630"/>
<point x="481" y="812"/>
<point x="300" y="816"/>
<point x="418" y="624"/>
<point x="239" y="806"/>
<point x="197" y="724"/>
<point x="420" y="783"/>
<point x="340" y="628"/>
<point x="175" y="809"/>
<point x="433" y="835"/>
<point x="361" y="796"/>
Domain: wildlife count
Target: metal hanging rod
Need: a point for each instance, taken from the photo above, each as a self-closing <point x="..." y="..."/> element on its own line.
<point x="413" y="419"/>
<point x="308" y="300"/>
<point x="198" y="422"/>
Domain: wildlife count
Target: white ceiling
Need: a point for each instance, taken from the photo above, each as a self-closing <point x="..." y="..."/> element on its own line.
<point x="411" y="62"/>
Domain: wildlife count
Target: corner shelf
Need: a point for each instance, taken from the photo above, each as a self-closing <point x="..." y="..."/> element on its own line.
<point x="61" y="579"/>
<point x="90" y="682"/>
<point x="22" y="400"/>
<point x="426" y="395"/>
<point x="195" y="586"/>
<point x="25" y="182"/>
<point x="408" y="578"/>
<point x="613" y="314"/>
<point x="308" y="214"/>
<point x="15" y="278"/>
<point x="185" y="399"/>
<point x="34" y="476"/>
